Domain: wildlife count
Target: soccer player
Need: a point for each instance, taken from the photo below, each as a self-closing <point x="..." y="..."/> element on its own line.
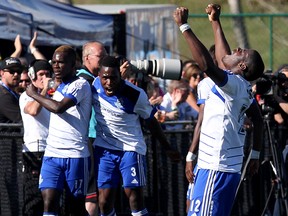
<point x="66" y="158"/>
<point x="222" y="135"/>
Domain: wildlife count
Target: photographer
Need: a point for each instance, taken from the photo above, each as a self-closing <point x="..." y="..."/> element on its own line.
<point x="271" y="92"/>
<point x="281" y="97"/>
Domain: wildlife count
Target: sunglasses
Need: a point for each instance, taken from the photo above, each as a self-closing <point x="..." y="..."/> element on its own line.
<point x="13" y="71"/>
<point x="195" y="76"/>
<point x="25" y="80"/>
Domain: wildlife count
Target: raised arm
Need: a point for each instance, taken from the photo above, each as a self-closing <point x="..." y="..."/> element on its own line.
<point x="18" y="47"/>
<point x="222" y="47"/>
<point x="199" y="52"/>
<point x="33" y="49"/>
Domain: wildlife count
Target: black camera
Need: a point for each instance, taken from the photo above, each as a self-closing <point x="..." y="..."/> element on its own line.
<point x="265" y="84"/>
<point x="269" y="85"/>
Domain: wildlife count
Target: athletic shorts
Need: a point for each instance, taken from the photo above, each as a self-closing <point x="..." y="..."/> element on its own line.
<point x="74" y="171"/>
<point x="214" y="193"/>
<point x="112" y="166"/>
<point x="92" y="192"/>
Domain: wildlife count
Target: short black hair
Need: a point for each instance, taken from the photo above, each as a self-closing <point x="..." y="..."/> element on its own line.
<point x="110" y="61"/>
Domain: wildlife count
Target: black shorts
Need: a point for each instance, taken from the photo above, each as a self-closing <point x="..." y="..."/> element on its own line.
<point x="92" y="192"/>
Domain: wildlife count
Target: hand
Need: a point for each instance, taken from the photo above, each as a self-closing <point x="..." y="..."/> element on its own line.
<point x="189" y="171"/>
<point x="31" y="90"/>
<point x="17" y="43"/>
<point x="125" y="70"/>
<point x="181" y="15"/>
<point x="155" y="100"/>
<point x="173" y="115"/>
<point x="46" y="83"/>
<point x="177" y="97"/>
<point x="32" y="44"/>
<point x="253" y="167"/>
<point x="213" y="11"/>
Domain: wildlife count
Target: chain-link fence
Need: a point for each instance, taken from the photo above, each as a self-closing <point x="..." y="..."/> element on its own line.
<point x="11" y="183"/>
<point x="165" y="193"/>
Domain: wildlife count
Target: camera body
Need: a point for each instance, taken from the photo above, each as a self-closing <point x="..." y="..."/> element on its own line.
<point x="267" y="86"/>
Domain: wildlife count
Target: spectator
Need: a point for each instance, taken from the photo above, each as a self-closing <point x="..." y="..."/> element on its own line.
<point x="92" y="53"/>
<point x="10" y="69"/>
<point x="222" y="133"/>
<point x="193" y="75"/>
<point x="154" y="92"/>
<point x="66" y="158"/>
<point x="175" y="106"/>
<point x="24" y="82"/>
<point x="36" y="123"/>
<point x="119" y="146"/>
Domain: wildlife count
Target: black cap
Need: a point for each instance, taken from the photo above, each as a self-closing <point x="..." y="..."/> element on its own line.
<point x="41" y="64"/>
<point x="11" y="62"/>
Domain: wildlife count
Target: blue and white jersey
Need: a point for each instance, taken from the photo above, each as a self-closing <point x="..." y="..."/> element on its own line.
<point x="203" y="89"/>
<point x="222" y="132"/>
<point x="118" y="117"/>
<point x="35" y="127"/>
<point x="68" y="132"/>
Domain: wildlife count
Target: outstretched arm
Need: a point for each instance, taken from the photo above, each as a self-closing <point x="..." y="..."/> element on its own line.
<point x="222" y="47"/>
<point x="199" y="52"/>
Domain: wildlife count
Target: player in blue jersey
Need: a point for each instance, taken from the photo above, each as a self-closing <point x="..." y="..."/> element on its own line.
<point x="120" y="147"/>
<point x="66" y="158"/>
<point x="220" y="154"/>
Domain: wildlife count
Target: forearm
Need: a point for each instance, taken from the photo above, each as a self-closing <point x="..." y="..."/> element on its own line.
<point x="16" y="53"/>
<point x="199" y="52"/>
<point x="33" y="108"/>
<point x="282" y="103"/>
<point x="222" y="47"/>
<point x="48" y="103"/>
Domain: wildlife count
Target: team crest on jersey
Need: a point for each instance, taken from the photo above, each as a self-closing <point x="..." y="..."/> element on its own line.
<point x="118" y="104"/>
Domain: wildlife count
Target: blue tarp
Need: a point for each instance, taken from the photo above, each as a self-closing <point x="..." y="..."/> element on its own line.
<point x="56" y="23"/>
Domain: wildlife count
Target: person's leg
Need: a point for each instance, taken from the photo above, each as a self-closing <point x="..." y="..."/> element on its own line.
<point x="108" y="178"/>
<point x="51" y="199"/>
<point x="92" y="207"/>
<point x="77" y="176"/>
<point x="133" y="170"/>
<point x="107" y="200"/>
<point x="91" y="202"/>
<point x="51" y="183"/>
<point x="136" y="201"/>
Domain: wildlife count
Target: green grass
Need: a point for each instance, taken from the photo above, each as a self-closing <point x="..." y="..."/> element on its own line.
<point x="257" y="28"/>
